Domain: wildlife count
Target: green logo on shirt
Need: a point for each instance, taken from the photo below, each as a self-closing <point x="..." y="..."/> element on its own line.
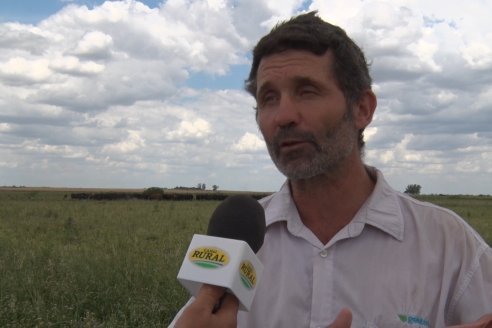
<point x="414" y="320"/>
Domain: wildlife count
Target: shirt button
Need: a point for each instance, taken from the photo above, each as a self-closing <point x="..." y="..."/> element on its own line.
<point x="323" y="253"/>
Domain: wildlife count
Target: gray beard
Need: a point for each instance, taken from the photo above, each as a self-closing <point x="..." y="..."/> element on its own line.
<point x="326" y="156"/>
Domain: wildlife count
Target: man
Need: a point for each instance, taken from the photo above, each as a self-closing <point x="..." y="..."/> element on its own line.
<point x="342" y="248"/>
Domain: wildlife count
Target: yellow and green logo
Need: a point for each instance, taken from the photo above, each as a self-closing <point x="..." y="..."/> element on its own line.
<point x="208" y="257"/>
<point x="248" y="274"/>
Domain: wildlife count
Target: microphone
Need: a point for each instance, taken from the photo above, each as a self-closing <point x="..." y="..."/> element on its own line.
<point x="226" y="256"/>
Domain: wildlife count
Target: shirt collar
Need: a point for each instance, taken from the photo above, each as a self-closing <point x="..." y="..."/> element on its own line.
<point x="279" y="206"/>
<point x="381" y="210"/>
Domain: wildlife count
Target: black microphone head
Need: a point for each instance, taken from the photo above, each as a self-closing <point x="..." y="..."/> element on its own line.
<point x="239" y="217"/>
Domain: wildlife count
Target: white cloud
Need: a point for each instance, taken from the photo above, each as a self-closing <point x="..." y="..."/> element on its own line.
<point x="94" y="44"/>
<point x="195" y="129"/>
<point x="5" y="127"/>
<point x="478" y="55"/>
<point x="19" y="70"/>
<point x="249" y="142"/>
<point x="133" y="141"/>
<point x="103" y="90"/>
<point x="72" y="65"/>
<point x="445" y="97"/>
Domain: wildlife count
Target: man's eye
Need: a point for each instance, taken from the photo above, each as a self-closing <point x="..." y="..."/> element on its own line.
<point x="306" y="91"/>
<point x="269" y="98"/>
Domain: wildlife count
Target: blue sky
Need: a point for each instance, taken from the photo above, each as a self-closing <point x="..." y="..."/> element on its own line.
<point x="133" y="94"/>
<point x="32" y="11"/>
<point x="29" y="12"/>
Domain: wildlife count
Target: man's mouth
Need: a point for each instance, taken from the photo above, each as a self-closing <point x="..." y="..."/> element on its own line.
<point x="290" y="140"/>
<point x="293" y="143"/>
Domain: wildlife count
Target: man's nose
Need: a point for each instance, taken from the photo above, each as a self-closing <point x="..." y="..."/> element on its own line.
<point x="287" y="112"/>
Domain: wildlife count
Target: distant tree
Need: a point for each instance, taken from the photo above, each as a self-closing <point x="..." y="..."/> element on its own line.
<point x="204" y="186"/>
<point x="413" y="189"/>
<point x="153" y="193"/>
<point x="215" y="187"/>
<point x="199" y="186"/>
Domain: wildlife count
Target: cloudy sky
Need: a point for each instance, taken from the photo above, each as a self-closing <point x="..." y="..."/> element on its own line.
<point x="133" y="94"/>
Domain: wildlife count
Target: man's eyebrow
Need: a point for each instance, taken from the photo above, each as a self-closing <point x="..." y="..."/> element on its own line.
<point x="297" y="82"/>
<point x="306" y="80"/>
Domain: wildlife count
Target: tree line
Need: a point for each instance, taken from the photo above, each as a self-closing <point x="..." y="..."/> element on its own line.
<point x="156" y="193"/>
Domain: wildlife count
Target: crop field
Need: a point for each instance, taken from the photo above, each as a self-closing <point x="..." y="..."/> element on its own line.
<point x="88" y="263"/>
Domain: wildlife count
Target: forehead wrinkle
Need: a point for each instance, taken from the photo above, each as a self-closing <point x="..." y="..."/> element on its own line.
<point x="291" y="64"/>
<point x="280" y="64"/>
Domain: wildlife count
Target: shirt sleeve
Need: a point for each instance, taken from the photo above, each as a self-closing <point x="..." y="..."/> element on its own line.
<point x="475" y="300"/>
<point x="173" y="323"/>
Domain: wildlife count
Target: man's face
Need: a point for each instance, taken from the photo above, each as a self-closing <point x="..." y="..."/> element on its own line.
<point x="303" y="115"/>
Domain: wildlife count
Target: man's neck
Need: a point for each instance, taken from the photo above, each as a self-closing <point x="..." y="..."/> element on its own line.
<point x="327" y="203"/>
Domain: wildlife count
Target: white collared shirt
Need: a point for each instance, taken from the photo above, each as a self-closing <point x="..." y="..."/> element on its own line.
<point x="399" y="263"/>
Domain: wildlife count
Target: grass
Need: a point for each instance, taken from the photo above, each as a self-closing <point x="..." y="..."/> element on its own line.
<point x="66" y="263"/>
<point x="476" y="210"/>
<point x="96" y="264"/>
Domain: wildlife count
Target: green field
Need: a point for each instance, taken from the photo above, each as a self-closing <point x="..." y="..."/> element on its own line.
<point x="476" y="210"/>
<point x="67" y="263"/>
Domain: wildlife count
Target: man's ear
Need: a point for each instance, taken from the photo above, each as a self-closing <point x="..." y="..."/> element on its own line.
<point x="364" y="109"/>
